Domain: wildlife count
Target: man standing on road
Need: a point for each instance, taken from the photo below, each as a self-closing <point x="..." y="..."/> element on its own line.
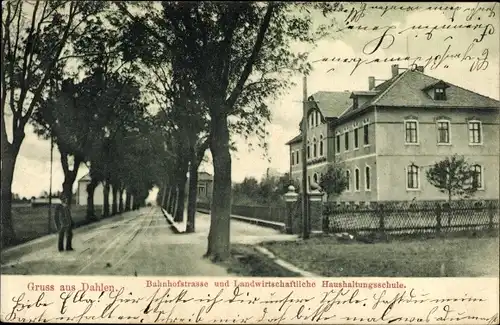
<point x="64" y="224"/>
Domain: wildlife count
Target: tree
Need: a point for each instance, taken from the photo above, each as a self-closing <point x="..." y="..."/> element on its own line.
<point x="238" y="56"/>
<point x="335" y="180"/>
<point x="35" y="36"/>
<point x="454" y="176"/>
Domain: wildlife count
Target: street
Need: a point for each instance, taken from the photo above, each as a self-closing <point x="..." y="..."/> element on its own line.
<point x="140" y="243"/>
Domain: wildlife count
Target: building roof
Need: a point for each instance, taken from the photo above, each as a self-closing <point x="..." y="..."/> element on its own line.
<point x="331" y="103"/>
<point x="204" y="176"/>
<point x="408" y="90"/>
<point x="295" y="139"/>
<point x="85" y="178"/>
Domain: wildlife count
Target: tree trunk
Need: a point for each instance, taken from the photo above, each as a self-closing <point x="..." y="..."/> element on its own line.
<point x="131" y="207"/>
<point x="114" y="206"/>
<point x="171" y="203"/>
<point x="181" y="188"/>
<point x="69" y="175"/>
<point x="127" y="200"/>
<point x="105" y="208"/>
<point x="7" y="227"/>
<point x="120" y="202"/>
<point x="219" y="234"/>
<point x="181" y="199"/>
<point x="163" y="194"/>
<point x="192" y="193"/>
<point x="90" y="200"/>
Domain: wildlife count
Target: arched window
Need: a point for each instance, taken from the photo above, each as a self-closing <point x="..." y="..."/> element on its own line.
<point x="315" y="177"/>
<point x="318" y="120"/>
<point x="315" y="147"/>
<point x="308" y="151"/>
<point x="412" y="177"/>
<point x="321" y="145"/>
<point x="348" y="176"/>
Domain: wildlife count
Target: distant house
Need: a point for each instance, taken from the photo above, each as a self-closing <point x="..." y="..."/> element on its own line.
<point x="44" y="201"/>
<point x="205" y="186"/>
<point x="390" y="134"/>
<point x="81" y="192"/>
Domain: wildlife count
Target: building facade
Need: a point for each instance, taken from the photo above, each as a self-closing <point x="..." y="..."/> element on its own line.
<point x="388" y="136"/>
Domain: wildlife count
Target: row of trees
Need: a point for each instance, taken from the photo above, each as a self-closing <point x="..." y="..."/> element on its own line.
<point x="268" y="191"/>
<point x="65" y="72"/>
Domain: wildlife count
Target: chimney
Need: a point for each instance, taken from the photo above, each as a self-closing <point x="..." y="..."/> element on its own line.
<point x="395" y="70"/>
<point x="371" y="83"/>
<point x="420" y="68"/>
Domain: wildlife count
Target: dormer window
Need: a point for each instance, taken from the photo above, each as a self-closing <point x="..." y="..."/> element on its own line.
<point x="355" y="102"/>
<point x="439" y="93"/>
<point x="437" y="90"/>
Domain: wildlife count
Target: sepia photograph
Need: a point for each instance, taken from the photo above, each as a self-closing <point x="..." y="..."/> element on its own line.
<point x="275" y="142"/>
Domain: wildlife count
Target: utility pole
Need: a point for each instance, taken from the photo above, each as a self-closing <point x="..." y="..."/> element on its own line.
<point x="50" y="180"/>
<point x="305" y="216"/>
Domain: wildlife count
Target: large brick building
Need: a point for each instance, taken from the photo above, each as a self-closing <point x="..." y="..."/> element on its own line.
<point x="388" y="135"/>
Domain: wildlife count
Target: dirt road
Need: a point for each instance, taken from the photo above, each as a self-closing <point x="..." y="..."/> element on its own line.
<point x="139" y="243"/>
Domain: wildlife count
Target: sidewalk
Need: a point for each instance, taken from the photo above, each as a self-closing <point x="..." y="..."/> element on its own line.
<point x="241" y="232"/>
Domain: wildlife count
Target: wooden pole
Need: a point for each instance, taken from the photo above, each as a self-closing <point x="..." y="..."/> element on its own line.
<point x="50" y="181"/>
<point x="305" y="216"/>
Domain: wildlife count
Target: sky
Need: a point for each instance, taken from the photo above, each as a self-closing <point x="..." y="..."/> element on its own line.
<point x="32" y="173"/>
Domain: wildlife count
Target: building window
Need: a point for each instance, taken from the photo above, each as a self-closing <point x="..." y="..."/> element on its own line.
<point x="338" y="144"/>
<point x="315" y="177"/>
<point x="439" y="94"/>
<point x="443" y="128"/>
<point x="356" y="179"/>
<point x="477" y="177"/>
<point x="348" y="176"/>
<point x="356" y="141"/>
<point x="412" y="177"/>
<point x="308" y="180"/>
<point x="475" y="132"/>
<point x="411" y="132"/>
<point x="321" y="144"/>
<point x="292" y="158"/>
<point x="315" y="148"/>
<point x="317" y="118"/>
<point x="308" y="151"/>
<point x="367" y="178"/>
<point x="297" y="157"/>
<point x="346" y="141"/>
<point x="365" y="135"/>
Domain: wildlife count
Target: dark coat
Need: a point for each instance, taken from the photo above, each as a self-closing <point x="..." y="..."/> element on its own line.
<point x="62" y="217"/>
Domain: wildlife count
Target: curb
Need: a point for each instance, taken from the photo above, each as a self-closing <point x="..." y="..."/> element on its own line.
<point x="284" y="264"/>
<point x="171" y="222"/>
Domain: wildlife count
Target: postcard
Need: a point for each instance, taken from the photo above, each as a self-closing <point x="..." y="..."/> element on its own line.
<point x="250" y="163"/>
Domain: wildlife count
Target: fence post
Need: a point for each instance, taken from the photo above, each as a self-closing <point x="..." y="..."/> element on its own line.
<point x="315" y="206"/>
<point x="491" y="214"/>
<point x="381" y="218"/>
<point x="290" y="199"/>
<point x="438" y="217"/>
